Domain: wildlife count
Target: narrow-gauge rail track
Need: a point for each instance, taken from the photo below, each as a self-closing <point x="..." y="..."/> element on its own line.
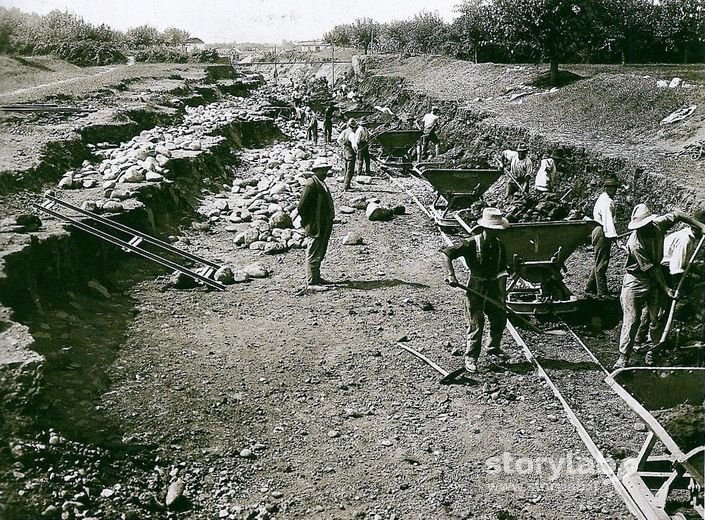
<point x="576" y="375"/>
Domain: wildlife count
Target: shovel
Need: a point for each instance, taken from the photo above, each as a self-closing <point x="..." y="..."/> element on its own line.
<point x="672" y="310"/>
<point x="499" y="305"/>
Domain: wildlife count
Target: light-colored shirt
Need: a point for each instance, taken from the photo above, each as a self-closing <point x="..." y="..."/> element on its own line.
<point x="603" y="212"/>
<point x="430" y="121"/>
<point x="360" y="136"/>
<point x="677" y="248"/>
<point x="646" y="251"/>
<point x="546" y="176"/>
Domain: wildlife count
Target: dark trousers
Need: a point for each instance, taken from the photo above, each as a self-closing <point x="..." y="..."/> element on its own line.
<point x="475" y="310"/>
<point x="349" y="171"/>
<point x="363" y="156"/>
<point x="315" y="252"/>
<point x="312" y="134"/>
<point x="328" y="132"/>
<point x="431" y="137"/>
<point x="597" y="281"/>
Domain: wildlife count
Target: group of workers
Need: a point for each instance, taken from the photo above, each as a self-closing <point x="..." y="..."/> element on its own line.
<point x="654" y="260"/>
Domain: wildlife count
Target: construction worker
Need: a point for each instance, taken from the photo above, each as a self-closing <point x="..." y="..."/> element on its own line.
<point x="362" y="147"/>
<point x="346" y="139"/>
<point x="311" y="125"/>
<point x="602" y="238"/>
<point x="546" y="174"/>
<point x="430" y="124"/>
<point x="317" y="212"/>
<point x="486" y="258"/>
<point x="328" y="122"/>
<point x="644" y="282"/>
<point x="519" y="168"/>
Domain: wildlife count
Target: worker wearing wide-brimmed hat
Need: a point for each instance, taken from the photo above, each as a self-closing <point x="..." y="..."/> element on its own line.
<point x="486" y="258"/>
<point x="346" y="139"/>
<point x="644" y="283"/>
<point x="317" y="212"/>
<point x="602" y="238"/>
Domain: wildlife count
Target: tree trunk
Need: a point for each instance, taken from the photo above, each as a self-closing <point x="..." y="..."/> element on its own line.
<point x="474" y="50"/>
<point x="553" y="74"/>
<point x="624" y="56"/>
<point x="685" y="55"/>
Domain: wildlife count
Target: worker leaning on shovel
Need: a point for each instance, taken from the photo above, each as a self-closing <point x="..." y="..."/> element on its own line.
<point x="644" y="284"/>
<point x="486" y="258"/>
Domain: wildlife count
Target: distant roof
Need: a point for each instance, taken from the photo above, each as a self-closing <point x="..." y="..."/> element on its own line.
<point x="311" y="42"/>
<point x="194" y="40"/>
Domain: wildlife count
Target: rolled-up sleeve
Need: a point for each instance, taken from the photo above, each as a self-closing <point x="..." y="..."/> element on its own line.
<point x="608" y="220"/>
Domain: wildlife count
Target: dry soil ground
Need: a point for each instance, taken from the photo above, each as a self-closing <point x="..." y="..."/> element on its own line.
<point x="272" y="404"/>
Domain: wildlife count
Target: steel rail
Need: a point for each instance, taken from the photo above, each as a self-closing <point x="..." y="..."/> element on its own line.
<point x="130" y="231"/>
<point x="127" y="246"/>
<point x="585" y="437"/>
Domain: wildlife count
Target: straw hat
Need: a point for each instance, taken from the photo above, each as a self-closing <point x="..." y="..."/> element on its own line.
<point x="522" y="148"/>
<point x="640" y="216"/>
<point x="492" y="219"/>
<point x="352" y="122"/>
<point x="321" y="164"/>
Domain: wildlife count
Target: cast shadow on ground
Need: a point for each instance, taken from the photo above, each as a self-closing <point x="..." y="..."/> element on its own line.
<point x="560" y="364"/>
<point x="368" y="285"/>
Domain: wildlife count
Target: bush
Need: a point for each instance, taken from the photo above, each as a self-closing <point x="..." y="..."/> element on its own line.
<point x="161" y="55"/>
<point x="205" y="56"/>
<point x="84" y="53"/>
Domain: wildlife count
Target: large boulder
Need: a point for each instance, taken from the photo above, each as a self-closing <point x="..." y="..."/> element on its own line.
<point x="280" y="220"/>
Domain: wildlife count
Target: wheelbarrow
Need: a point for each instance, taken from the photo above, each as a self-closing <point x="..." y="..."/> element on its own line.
<point x="456" y="189"/>
<point x="536" y="255"/>
<point x="398" y="148"/>
<point x="650" y="477"/>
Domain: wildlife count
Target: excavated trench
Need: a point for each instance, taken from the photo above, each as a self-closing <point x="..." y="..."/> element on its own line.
<point x="71" y="290"/>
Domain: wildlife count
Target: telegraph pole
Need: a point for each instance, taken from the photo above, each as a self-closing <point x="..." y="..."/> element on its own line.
<point x="332" y="53"/>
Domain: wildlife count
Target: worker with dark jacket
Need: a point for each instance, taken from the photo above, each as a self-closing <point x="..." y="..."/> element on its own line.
<point x="328" y="123"/>
<point x="644" y="282"/>
<point x="486" y="258"/>
<point x="317" y="212"/>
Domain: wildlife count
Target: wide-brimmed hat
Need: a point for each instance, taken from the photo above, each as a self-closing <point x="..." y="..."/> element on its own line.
<point x="321" y="164"/>
<point x="611" y="180"/>
<point x="522" y="148"/>
<point x="492" y="219"/>
<point x="352" y="122"/>
<point x="434" y="108"/>
<point x="640" y="216"/>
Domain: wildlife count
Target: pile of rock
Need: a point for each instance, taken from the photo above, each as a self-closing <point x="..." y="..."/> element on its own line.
<point x="534" y="207"/>
<point x="145" y="157"/>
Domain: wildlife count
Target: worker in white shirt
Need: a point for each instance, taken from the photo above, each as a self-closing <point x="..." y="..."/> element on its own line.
<point x="347" y="141"/>
<point x="546" y="175"/>
<point x="430" y="124"/>
<point x="361" y="144"/>
<point x="602" y="238"/>
<point x="519" y="168"/>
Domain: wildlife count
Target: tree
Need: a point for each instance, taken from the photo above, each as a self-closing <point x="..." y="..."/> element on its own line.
<point x="681" y="25"/>
<point x="621" y="23"/>
<point x="363" y="32"/>
<point x="175" y="37"/>
<point x="428" y="31"/>
<point x="553" y="27"/>
<point x="142" y="36"/>
<point x="473" y="27"/>
<point x="338" y="35"/>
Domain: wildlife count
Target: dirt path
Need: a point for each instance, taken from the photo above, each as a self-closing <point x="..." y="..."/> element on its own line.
<point x="107" y="70"/>
<point x="340" y="421"/>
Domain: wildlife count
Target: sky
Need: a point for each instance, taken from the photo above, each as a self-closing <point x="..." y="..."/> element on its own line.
<point x="221" y="21"/>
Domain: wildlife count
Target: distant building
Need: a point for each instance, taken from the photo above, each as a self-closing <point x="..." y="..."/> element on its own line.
<point x="194" y="44"/>
<point x="311" y="45"/>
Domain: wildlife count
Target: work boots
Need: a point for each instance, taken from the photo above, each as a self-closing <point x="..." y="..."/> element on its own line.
<point x="622" y="362"/>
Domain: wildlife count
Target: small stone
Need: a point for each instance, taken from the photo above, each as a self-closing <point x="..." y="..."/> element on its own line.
<point x="640" y="427"/>
<point x="154" y="176"/>
<point x="426" y="306"/>
<point x="277" y="494"/>
<point x="51" y="511"/>
<point x="551" y="417"/>
<point x="89" y="205"/>
<point x="346" y="210"/>
<point x="224" y="275"/>
<point x="247" y="453"/>
<point x="256" y="271"/>
<point x="375" y="212"/>
<point x="133" y="174"/>
<point x="54" y="439"/>
<point x="89" y="183"/>
<point x="113" y="206"/>
<point x="387" y="442"/>
<point x="175" y="493"/>
<point x="333" y="434"/>
<point x="240" y="277"/>
<point x="352" y="239"/>
<point x="107" y="492"/>
<point x="280" y="220"/>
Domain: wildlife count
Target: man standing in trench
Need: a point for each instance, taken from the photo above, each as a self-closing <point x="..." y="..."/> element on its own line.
<point x="347" y="139"/>
<point x="644" y="284"/>
<point x="317" y="212"/>
<point x="486" y="258"/>
<point x="602" y="238"/>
